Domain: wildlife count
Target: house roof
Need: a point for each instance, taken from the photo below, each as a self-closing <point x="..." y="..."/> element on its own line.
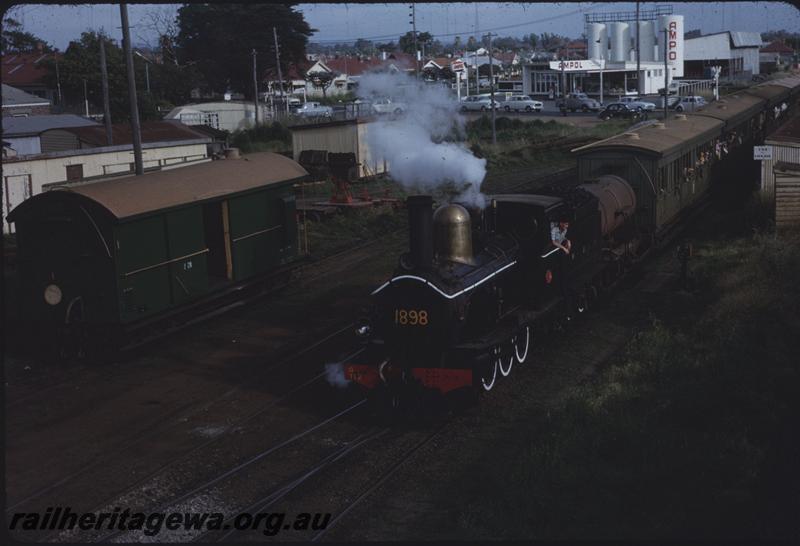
<point x="34" y="125"/>
<point x="577" y="44"/>
<point x="788" y="132"/>
<point x="16" y="97"/>
<point x="136" y="195"/>
<point x="24" y="68"/>
<point x="353" y="66"/>
<point x="777" y="47"/>
<point x="151" y="131"/>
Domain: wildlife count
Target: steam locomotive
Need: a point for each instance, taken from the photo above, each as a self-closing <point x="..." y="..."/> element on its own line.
<point x="452" y="318"/>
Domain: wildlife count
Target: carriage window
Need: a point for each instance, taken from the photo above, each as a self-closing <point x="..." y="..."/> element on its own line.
<point x="74" y="172"/>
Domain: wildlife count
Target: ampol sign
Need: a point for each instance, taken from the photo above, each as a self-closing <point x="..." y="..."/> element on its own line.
<point x="578" y="66"/>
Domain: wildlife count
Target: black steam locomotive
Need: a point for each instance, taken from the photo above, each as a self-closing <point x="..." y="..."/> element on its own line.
<point x="452" y="318"/>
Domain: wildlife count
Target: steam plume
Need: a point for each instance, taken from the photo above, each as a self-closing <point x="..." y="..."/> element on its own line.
<point x="416" y="145"/>
<point x="334" y="374"/>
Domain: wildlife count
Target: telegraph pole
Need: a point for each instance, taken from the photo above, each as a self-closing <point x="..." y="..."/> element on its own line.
<point x="666" y="76"/>
<point x="255" y="87"/>
<point x="278" y="64"/>
<point x="638" y="65"/>
<point x="106" y="106"/>
<point x="413" y="15"/>
<point x="135" y="129"/>
<point x="85" y="98"/>
<point x="491" y="87"/>
<point x="58" y="83"/>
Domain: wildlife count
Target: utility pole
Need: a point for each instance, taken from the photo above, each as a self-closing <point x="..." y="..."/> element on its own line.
<point x="638" y="65"/>
<point x="278" y="64"/>
<point x="491" y="87"/>
<point x="106" y="106"/>
<point x="58" y="83"/>
<point x="255" y="87"/>
<point x="135" y="129"/>
<point x="85" y="98"/>
<point x="666" y="77"/>
<point x="413" y="15"/>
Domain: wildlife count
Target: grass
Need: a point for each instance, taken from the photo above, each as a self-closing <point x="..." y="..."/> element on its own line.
<point x="272" y="137"/>
<point x="691" y="432"/>
<point x="537" y="142"/>
<point x="351" y="228"/>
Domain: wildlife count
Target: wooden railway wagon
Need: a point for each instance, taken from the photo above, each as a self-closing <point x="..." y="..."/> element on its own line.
<point x="671" y="165"/>
<point x="110" y="257"/>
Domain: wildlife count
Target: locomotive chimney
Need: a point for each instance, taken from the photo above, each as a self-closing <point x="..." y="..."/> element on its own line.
<point x="420" y="230"/>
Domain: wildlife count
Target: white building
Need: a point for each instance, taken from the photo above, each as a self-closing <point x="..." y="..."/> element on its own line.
<point x="610" y="68"/>
<point x="736" y="52"/>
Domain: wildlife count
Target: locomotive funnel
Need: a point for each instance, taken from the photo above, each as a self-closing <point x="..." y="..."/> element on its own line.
<point x="453" y="233"/>
<point x="420" y="230"/>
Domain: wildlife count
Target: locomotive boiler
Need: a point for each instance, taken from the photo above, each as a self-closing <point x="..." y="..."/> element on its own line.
<point x="477" y="286"/>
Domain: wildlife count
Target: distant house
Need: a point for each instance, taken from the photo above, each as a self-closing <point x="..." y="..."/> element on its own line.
<point x="79" y="155"/>
<point x="27" y="71"/>
<point x="23" y="134"/>
<point x="775" y="54"/>
<point x="19" y="103"/>
<point x="347" y="70"/>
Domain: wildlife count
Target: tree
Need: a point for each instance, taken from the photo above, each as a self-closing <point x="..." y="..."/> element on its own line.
<point x="472" y="44"/>
<point x="16" y="40"/>
<point x="364" y="47"/>
<point x="406" y="41"/>
<point x="321" y="80"/>
<point x="220" y="38"/>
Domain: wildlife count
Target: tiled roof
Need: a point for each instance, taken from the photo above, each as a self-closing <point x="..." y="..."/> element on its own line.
<point x="24" y="68"/>
<point x="777" y="47"/>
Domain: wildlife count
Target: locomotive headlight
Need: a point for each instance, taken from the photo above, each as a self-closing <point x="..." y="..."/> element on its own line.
<point x="52" y="294"/>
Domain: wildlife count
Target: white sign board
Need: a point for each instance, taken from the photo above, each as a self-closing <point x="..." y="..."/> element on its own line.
<point x="578" y="66"/>
<point x="762" y="152"/>
<point x="457" y="66"/>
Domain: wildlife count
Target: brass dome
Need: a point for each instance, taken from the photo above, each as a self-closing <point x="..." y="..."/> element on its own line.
<point x="453" y="234"/>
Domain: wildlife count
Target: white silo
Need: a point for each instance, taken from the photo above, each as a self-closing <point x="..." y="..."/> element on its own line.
<point x="620" y="34"/>
<point x="597" y="37"/>
<point x="647" y="41"/>
<point x="674" y="27"/>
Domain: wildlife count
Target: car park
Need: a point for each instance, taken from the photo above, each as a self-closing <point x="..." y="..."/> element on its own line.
<point x="479" y="103"/>
<point x="638" y="104"/>
<point x="521" y="103"/>
<point x="619" y="110"/>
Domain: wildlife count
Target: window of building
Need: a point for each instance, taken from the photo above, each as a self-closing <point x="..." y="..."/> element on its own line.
<point x="74" y="172"/>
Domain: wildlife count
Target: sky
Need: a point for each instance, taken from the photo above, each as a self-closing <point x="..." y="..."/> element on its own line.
<point x="59" y="24"/>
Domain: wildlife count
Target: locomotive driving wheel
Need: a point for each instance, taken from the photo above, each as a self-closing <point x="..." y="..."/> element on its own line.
<point x="521" y="343"/>
<point x="489" y="375"/>
<point x="501" y="358"/>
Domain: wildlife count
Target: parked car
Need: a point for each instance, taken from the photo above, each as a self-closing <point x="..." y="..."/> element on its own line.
<point x="638" y="104"/>
<point x="620" y="110"/>
<point x="671" y="102"/>
<point x="521" y="103"/>
<point x="674" y="88"/>
<point x="689" y="103"/>
<point x="579" y="101"/>
<point x="314" y="110"/>
<point x="480" y="103"/>
<point x="387" y="106"/>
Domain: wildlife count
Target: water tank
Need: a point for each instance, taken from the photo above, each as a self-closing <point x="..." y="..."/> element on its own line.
<point x="597" y="41"/>
<point x="616" y="200"/>
<point x="620" y="34"/>
<point x="647" y="41"/>
<point x="674" y="26"/>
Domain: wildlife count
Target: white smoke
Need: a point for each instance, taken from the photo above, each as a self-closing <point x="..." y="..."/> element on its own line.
<point x="334" y="374"/>
<point x="413" y="145"/>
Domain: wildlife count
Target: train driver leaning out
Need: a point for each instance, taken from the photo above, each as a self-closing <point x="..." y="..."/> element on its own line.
<point x="558" y="235"/>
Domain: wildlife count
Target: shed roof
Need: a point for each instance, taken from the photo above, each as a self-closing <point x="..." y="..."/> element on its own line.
<point x="745" y="39"/>
<point x="136" y="195"/>
<point x="658" y="138"/>
<point x="15" y="97"/>
<point x="151" y="131"/>
<point x="34" y="125"/>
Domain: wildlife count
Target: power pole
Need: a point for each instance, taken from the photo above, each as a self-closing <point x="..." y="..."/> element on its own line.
<point x="135" y="129"/>
<point x="58" y="83"/>
<point x="413" y="15"/>
<point x="491" y="87"/>
<point x="638" y="66"/>
<point x="255" y="86"/>
<point x="85" y="98"/>
<point x="666" y="77"/>
<point x="106" y="106"/>
<point x="278" y="64"/>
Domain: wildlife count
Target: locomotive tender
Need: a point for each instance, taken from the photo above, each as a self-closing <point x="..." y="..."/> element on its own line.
<point x="453" y="318"/>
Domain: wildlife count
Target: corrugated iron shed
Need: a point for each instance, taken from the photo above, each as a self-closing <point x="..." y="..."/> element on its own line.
<point x="152" y="131"/>
<point x="34" y="125"/>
